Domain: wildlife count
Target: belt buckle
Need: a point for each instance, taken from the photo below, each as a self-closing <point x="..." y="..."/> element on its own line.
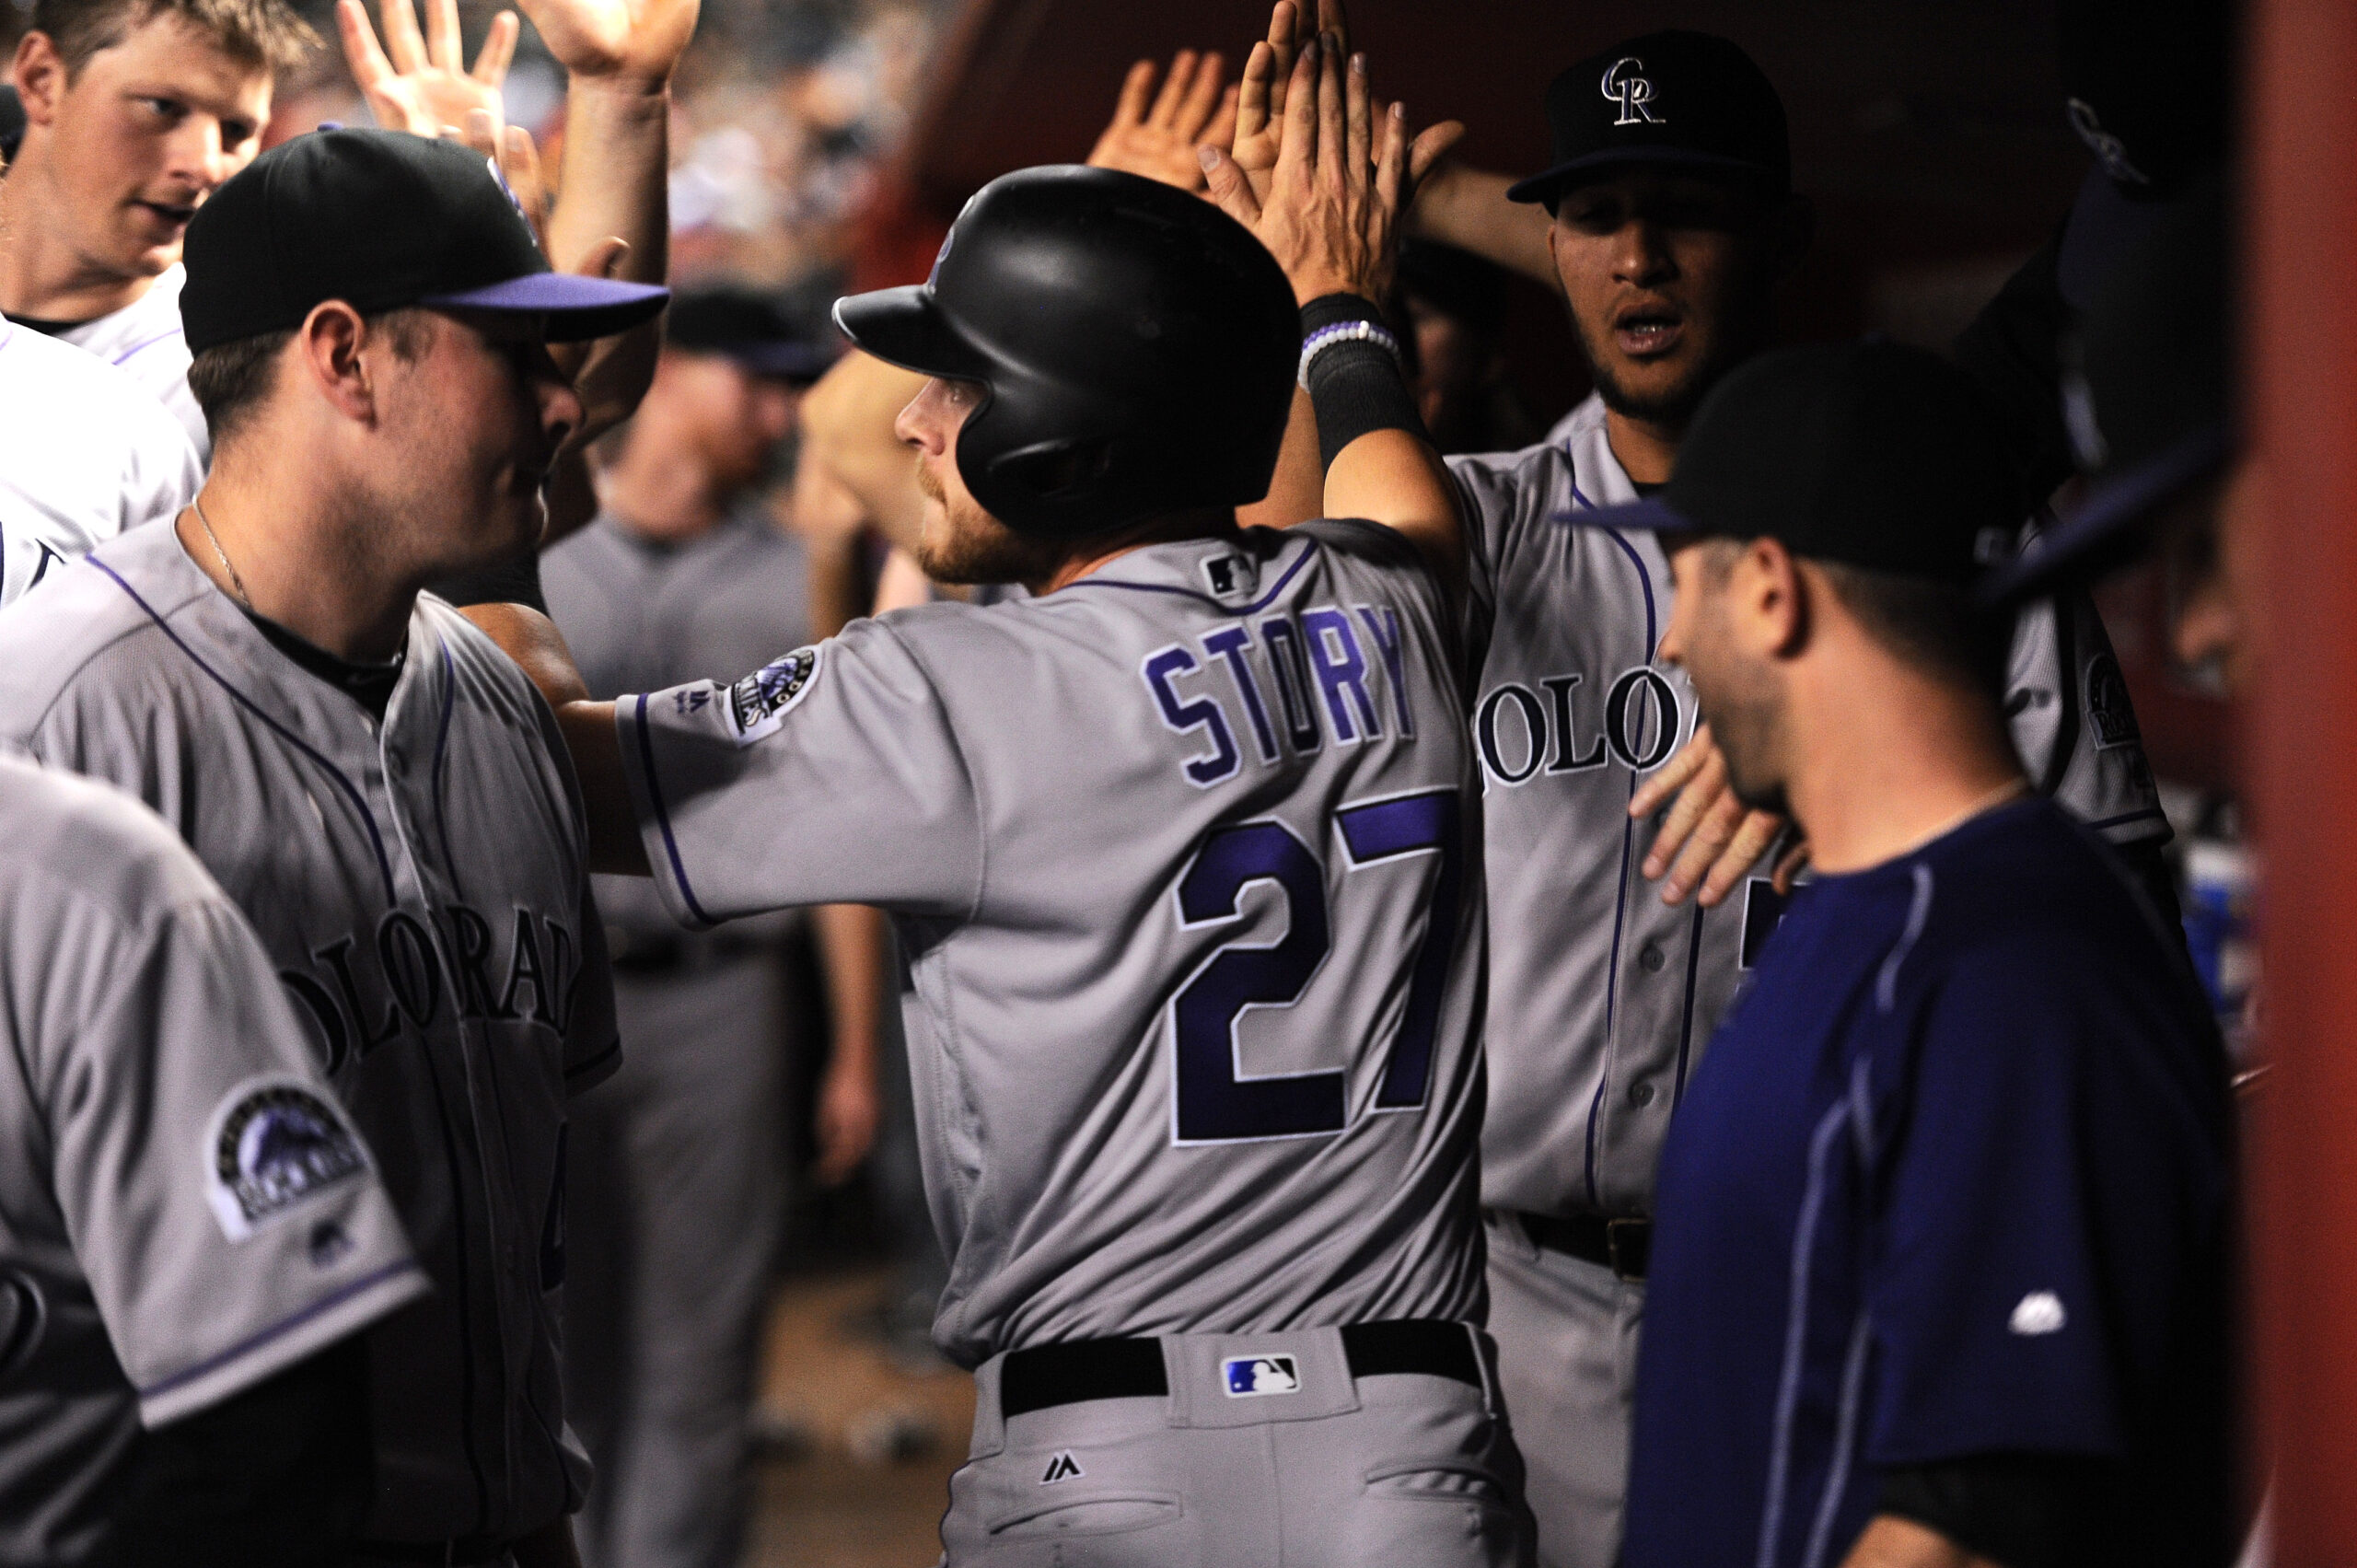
<point x="1633" y="1232"/>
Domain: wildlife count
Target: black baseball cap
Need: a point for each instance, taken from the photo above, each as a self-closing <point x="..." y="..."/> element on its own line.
<point x="2147" y="397"/>
<point x="1686" y="100"/>
<point x="749" y="327"/>
<point x="1867" y="454"/>
<point x="383" y="221"/>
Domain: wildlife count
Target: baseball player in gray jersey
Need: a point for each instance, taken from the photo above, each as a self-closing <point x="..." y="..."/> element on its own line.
<point x="1672" y="220"/>
<point x="371" y="781"/>
<point x="1181" y="853"/>
<point x="189" y="1224"/>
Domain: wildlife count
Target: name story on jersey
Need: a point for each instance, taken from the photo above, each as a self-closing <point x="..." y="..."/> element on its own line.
<point x="1291" y="680"/>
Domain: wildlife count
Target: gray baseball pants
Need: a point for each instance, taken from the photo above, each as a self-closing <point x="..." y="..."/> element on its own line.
<point x="1566" y="1331"/>
<point x="1399" y="1470"/>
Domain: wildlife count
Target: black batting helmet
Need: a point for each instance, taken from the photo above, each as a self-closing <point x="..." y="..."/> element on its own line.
<point x="1139" y="347"/>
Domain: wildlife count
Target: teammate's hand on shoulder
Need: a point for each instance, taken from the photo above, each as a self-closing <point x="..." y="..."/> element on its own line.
<point x="420" y="84"/>
<point x="1158" y="139"/>
<point x="633" y="44"/>
<point x="1710" y="837"/>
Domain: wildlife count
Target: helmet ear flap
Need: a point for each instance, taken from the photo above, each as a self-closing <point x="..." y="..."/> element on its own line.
<point x="1052" y="469"/>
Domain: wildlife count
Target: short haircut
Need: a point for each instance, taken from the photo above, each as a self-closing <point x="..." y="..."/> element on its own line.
<point x="267" y="34"/>
<point x="231" y="380"/>
<point x="1930" y="626"/>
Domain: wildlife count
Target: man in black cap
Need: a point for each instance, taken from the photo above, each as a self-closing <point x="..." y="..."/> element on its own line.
<point x="371" y="780"/>
<point x="678" y="1166"/>
<point x="1666" y="218"/>
<point x="1941" y="1275"/>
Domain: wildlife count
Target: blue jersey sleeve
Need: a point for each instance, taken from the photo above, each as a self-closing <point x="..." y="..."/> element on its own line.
<point x="2059" y="1169"/>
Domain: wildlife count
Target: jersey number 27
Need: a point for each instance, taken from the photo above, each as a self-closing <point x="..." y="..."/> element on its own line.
<point x="1216" y="1104"/>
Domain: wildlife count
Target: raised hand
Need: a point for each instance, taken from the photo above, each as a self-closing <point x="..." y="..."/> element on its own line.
<point x="421" y="84"/>
<point x="1330" y="214"/>
<point x="627" y="42"/>
<point x="1263" y="94"/>
<point x="519" y="157"/>
<point x="1159" y="141"/>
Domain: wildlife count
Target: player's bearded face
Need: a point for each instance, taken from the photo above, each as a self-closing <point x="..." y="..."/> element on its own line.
<point x="1667" y="278"/>
<point x="957" y="540"/>
<point x="148" y="129"/>
<point x="1739" y="698"/>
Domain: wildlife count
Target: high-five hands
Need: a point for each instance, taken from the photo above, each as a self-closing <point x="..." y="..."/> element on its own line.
<point x="1710" y="837"/>
<point x="1159" y="140"/>
<point x="420" y="84"/>
<point x="627" y="43"/>
<point x="1266" y="88"/>
<point x="1331" y="210"/>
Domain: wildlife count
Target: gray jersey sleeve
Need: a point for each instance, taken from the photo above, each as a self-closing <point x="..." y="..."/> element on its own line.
<point x="2067" y="706"/>
<point x="226" y="1216"/>
<point x="852" y="730"/>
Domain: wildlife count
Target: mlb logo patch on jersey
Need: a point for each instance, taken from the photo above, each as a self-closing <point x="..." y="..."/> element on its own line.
<point x="1231" y="577"/>
<point x="1247" y="1376"/>
<point x="274" y="1143"/>
<point x="759" y="703"/>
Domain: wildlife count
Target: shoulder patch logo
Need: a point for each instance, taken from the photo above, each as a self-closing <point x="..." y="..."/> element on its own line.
<point x="1231" y="577"/>
<point x="1247" y="1376"/>
<point x="2039" y="1312"/>
<point x="1064" y="1467"/>
<point x="2109" y="711"/>
<point x="759" y="703"/>
<point x="274" y="1143"/>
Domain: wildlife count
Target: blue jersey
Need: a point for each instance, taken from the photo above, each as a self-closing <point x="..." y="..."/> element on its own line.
<point x="1953" y="1182"/>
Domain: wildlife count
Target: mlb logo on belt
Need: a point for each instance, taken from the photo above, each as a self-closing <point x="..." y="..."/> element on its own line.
<point x="1246" y="1376"/>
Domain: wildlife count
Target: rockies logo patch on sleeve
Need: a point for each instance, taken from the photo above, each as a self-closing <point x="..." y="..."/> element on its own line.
<point x="759" y="703"/>
<point x="274" y="1143"/>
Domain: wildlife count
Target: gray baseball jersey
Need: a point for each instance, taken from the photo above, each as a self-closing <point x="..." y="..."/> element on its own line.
<point x="1183" y="860"/>
<point x="420" y="888"/>
<point x="1601" y="997"/>
<point x="184" y="1209"/>
<point x="85" y="454"/>
<point x="143" y="340"/>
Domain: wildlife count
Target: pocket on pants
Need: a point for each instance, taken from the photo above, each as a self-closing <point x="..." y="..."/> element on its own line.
<point x="1106" y="1514"/>
<point x="1438" y="1515"/>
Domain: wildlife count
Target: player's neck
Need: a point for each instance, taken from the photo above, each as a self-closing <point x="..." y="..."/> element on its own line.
<point x="43" y="276"/>
<point x="1884" y="759"/>
<point x="312" y="569"/>
<point x="663" y="496"/>
<point x="1099" y="550"/>
<point x="1645" y="449"/>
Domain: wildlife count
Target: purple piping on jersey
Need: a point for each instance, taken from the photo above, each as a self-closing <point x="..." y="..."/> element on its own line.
<point x="1256" y="605"/>
<point x="359" y="802"/>
<point x="142" y="348"/>
<point x="2147" y="814"/>
<point x="1628" y="853"/>
<point x="1686" y="1024"/>
<point x="1845" y="1441"/>
<point x="279" y="1330"/>
<point x="1788" y="1382"/>
<point x="663" y="818"/>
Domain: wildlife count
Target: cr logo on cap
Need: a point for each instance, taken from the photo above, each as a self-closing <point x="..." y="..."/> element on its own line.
<point x="1624" y="87"/>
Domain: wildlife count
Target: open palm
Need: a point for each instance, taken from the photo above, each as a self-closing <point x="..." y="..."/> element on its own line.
<point x="638" y="40"/>
<point x="420" y="84"/>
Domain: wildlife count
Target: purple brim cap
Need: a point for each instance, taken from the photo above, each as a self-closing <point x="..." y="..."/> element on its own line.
<point x="1551" y="183"/>
<point x="2107" y="528"/>
<point x="574" y="308"/>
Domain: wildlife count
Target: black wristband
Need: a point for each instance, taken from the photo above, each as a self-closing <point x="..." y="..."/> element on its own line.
<point x="1353" y="378"/>
<point x="510" y="582"/>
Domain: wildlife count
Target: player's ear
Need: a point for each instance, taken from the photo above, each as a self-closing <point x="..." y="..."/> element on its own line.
<point x="38" y="73"/>
<point x="1772" y="599"/>
<point x="329" y="350"/>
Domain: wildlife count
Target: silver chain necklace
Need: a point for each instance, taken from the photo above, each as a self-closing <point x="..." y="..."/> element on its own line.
<point x="236" y="582"/>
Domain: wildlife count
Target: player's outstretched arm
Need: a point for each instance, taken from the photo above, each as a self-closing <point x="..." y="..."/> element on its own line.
<point x="1330" y="217"/>
<point x="618" y="55"/>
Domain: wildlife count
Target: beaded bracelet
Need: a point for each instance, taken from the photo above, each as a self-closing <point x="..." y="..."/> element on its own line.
<point x="1325" y="338"/>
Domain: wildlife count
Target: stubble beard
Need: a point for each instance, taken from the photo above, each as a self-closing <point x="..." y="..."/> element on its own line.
<point x="969" y="546"/>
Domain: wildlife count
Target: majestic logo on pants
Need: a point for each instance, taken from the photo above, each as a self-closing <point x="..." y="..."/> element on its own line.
<point x="1248" y="1375"/>
<point x="1064" y="1467"/>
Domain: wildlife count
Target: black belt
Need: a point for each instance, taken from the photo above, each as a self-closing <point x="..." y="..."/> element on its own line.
<point x="1043" y="1375"/>
<point x="1623" y="1245"/>
<point x="461" y="1552"/>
